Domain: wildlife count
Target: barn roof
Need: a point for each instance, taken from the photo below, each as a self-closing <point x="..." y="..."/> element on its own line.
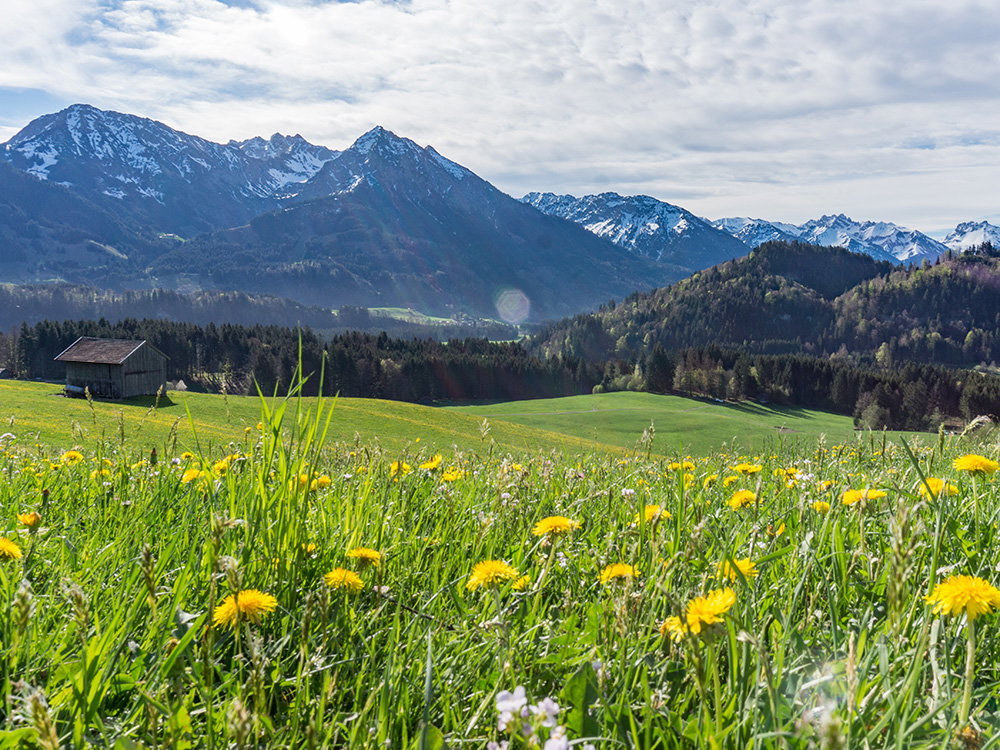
<point x="103" y="351"/>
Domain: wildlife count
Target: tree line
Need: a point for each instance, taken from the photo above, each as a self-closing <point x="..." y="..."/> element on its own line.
<point x="237" y="359"/>
<point x="912" y="397"/>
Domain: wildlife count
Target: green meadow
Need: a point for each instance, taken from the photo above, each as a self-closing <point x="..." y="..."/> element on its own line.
<point x="370" y="575"/>
<point x="605" y="423"/>
<point x="680" y="424"/>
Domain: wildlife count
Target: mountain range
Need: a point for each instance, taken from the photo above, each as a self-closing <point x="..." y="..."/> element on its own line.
<point x="125" y="202"/>
<point x="122" y="202"/>
<point x="661" y="230"/>
<point x="171" y="181"/>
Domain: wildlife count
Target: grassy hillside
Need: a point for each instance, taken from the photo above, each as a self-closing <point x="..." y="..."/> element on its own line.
<point x="288" y="597"/>
<point x="36" y="412"/>
<point x="681" y="424"/>
<point x="604" y="423"/>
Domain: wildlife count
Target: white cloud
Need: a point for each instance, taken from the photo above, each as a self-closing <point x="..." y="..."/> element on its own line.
<point x="779" y="108"/>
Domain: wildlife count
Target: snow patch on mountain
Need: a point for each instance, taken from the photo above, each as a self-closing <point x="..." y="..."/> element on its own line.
<point x="46" y="159"/>
<point x="455" y="170"/>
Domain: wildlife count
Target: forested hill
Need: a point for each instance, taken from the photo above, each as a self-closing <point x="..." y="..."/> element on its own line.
<point x="794" y="298"/>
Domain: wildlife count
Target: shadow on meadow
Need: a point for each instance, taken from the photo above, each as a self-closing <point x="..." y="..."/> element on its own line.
<point x="145" y="402"/>
<point x="768" y="411"/>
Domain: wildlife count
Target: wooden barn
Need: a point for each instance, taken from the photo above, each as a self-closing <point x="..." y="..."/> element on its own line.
<point x="114" y="368"/>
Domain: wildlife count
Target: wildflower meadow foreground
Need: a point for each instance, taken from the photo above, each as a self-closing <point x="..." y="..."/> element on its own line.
<point x="273" y="594"/>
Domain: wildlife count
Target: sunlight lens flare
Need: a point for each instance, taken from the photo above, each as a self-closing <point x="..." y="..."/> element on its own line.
<point x="513" y="305"/>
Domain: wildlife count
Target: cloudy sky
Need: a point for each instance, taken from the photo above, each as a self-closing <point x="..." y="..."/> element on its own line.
<point x="779" y="109"/>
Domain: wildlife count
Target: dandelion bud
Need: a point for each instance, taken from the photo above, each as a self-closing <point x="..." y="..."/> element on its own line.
<point x="32" y="520"/>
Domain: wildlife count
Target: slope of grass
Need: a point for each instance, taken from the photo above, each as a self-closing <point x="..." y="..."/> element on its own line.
<point x="285" y="596"/>
<point x="681" y="424"/>
<point x="36" y="412"/>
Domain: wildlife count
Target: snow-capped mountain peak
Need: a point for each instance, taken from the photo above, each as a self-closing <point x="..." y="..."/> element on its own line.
<point x="181" y="182"/>
<point x="645" y="226"/>
<point x="385" y="142"/>
<point x="972" y="234"/>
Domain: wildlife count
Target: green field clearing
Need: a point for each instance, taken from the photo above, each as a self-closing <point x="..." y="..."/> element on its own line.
<point x="37" y="412"/>
<point x="682" y="424"/>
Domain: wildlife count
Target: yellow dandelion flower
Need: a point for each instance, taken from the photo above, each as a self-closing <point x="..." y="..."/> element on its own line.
<point x="451" y="475"/>
<point x="187" y="455"/>
<point x="299" y="482"/>
<point x="30" y="519"/>
<point x="776" y="532"/>
<point x="966" y="595"/>
<point x="709" y="481"/>
<point x="938" y="487"/>
<point x="490" y="574"/>
<point x="730" y="480"/>
<point x="741" y="499"/>
<point x="341" y="578"/>
<point x="555" y="526"/>
<point x="323" y="481"/>
<point x="71" y="457"/>
<point x="824" y="485"/>
<point x="193" y="474"/>
<point x="9" y="550"/>
<point x="399" y="467"/>
<point x="98" y="473"/>
<point x="699" y="613"/>
<point x="652" y="514"/>
<point x="366" y="556"/>
<point x="747" y="468"/>
<point x="432" y="464"/>
<point x="616" y="571"/>
<point x="821" y="506"/>
<point x="220" y="468"/>
<point x="975" y="464"/>
<point x="521" y="583"/>
<point x="850" y="497"/>
<point x="673" y="627"/>
<point x="250" y="605"/>
<point x="745" y="566"/>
